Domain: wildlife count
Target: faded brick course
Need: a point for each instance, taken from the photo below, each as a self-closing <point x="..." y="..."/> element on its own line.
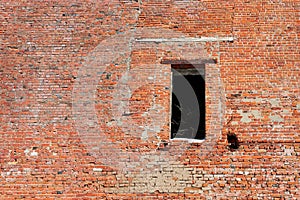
<point x="50" y="147"/>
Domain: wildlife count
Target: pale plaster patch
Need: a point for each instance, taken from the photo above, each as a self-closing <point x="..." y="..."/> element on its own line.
<point x="30" y="153"/>
<point x="234" y="123"/>
<point x="245" y="116"/>
<point x="256" y="114"/>
<point x="34" y="153"/>
<point x="286" y="112"/>
<point x="257" y="100"/>
<point x="144" y="135"/>
<point x="289" y="152"/>
<point x="26" y="151"/>
<point x="97" y="169"/>
<point x="12" y="163"/>
<point x="276" y="118"/>
<point x="274" y="102"/>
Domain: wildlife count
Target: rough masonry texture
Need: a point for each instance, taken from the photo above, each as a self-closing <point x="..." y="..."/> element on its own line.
<point x="85" y="99"/>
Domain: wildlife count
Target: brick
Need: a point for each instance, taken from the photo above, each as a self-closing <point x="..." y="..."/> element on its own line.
<point x="51" y="50"/>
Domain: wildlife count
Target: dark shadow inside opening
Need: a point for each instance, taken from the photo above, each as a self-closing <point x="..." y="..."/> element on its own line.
<point x="197" y="82"/>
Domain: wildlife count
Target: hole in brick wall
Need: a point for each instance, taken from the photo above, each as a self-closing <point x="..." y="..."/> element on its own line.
<point x="188" y="101"/>
<point x="233" y="141"/>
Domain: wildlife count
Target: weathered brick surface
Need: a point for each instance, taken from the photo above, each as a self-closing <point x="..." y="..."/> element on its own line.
<point x="47" y="48"/>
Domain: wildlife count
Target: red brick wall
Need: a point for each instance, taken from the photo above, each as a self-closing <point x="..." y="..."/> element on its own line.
<point x="67" y="68"/>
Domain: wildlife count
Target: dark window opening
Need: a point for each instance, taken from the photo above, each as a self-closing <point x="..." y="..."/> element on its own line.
<point x="188" y="101"/>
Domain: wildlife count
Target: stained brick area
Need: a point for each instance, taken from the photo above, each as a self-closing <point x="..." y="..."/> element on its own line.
<point x="47" y="49"/>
